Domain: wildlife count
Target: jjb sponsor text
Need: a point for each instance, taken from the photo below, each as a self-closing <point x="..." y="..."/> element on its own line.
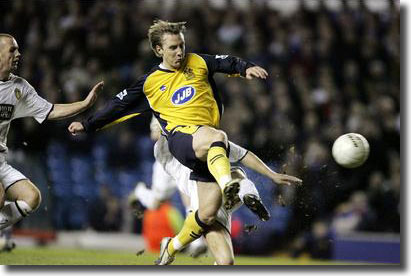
<point x="183" y="95"/>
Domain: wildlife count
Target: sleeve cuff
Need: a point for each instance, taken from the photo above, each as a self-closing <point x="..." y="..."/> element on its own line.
<point x="239" y="160"/>
<point x="246" y="66"/>
<point x="48" y="114"/>
<point x="86" y="126"/>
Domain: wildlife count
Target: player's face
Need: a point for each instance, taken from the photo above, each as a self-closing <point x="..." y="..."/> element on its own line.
<point x="173" y="50"/>
<point x="9" y="54"/>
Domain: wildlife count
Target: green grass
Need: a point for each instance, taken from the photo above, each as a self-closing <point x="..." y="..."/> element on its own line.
<point x="59" y="256"/>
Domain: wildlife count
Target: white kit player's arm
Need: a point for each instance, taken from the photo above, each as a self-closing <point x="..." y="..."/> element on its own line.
<point x="251" y="161"/>
<point x="62" y="111"/>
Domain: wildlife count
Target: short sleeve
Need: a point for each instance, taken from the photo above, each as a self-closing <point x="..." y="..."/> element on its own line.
<point x="32" y="105"/>
<point x="237" y="153"/>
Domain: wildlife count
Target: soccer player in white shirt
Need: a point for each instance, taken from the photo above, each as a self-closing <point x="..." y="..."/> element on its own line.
<point x="169" y="173"/>
<point x="19" y="99"/>
<point x="218" y="235"/>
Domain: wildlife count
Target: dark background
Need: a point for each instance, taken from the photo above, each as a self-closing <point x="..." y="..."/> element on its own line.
<point x="331" y="71"/>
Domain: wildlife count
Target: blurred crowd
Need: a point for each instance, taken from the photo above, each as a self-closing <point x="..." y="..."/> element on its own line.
<point x="334" y="67"/>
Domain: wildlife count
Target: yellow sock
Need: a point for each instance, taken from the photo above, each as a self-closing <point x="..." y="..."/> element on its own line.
<point x="192" y="229"/>
<point x="219" y="164"/>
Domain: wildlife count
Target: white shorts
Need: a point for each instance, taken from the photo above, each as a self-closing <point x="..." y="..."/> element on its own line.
<point x="223" y="216"/>
<point x="9" y="175"/>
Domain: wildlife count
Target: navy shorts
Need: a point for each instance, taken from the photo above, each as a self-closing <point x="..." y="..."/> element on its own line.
<point x="181" y="147"/>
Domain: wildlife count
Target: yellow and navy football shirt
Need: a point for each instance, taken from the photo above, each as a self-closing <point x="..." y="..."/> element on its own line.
<point x="184" y="97"/>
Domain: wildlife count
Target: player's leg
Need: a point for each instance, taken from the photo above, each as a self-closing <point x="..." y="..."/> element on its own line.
<point x="219" y="239"/>
<point x="162" y="188"/>
<point x="25" y="198"/>
<point x="249" y="195"/>
<point x="198" y="246"/>
<point x="204" y="150"/>
<point x="220" y="245"/>
<point x="7" y="244"/>
<point x="197" y="222"/>
<point x="192" y="229"/>
<point x="138" y="206"/>
<point x="211" y="145"/>
<point x="182" y="148"/>
<point x="210" y="199"/>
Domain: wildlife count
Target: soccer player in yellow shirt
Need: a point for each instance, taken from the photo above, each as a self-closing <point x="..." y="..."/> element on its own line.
<point x="182" y="94"/>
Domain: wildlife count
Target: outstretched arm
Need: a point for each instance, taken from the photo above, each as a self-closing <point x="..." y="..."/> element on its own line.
<point x="63" y="111"/>
<point x="251" y="161"/>
<point x="125" y="105"/>
<point x="234" y="66"/>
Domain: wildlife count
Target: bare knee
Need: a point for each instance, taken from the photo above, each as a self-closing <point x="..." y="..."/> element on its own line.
<point x="218" y="136"/>
<point x="207" y="218"/>
<point x="26" y="192"/>
<point x="208" y="214"/>
<point x="204" y="138"/>
<point x="33" y="198"/>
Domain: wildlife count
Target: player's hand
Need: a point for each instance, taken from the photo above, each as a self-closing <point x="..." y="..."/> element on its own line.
<point x="256" y="72"/>
<point x="284" y="179"/>
<point x="76" y="128"/>
<point x="93" y="94"/>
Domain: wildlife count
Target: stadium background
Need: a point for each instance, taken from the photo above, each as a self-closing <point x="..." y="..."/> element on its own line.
<point x="334" y="67"/>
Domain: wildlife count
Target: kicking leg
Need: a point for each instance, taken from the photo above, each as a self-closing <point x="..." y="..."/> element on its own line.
<point x="249" y="195"/>
<point x="210" y="145"/>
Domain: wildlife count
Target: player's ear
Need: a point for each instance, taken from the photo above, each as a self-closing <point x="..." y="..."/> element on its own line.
<point x="159" y="50"/>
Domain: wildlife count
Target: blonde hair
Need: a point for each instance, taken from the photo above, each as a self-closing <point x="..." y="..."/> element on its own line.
<point x="160" y="27"/>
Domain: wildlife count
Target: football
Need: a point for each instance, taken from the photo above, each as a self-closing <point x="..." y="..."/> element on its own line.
<point x="350" y="150"/>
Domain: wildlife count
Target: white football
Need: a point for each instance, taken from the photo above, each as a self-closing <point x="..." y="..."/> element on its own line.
<point x="350" y="150"/>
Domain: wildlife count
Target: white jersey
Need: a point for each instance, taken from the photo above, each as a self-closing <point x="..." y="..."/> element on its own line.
<point x="19" y="99"/>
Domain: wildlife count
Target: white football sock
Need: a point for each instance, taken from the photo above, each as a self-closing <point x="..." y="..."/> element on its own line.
<point x="247" y="187"/>
<point x="146" y="196"/>
<point x="13" y="212"/>
<point x="200" y="242"/>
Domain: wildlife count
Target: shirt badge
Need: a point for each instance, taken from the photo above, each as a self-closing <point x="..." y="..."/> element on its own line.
<point x="188" y="73"/>
<point x="17" y="92"/>
<point x="163" y="88"/>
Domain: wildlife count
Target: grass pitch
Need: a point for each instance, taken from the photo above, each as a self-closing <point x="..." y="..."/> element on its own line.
<point x="60" y="256"/>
